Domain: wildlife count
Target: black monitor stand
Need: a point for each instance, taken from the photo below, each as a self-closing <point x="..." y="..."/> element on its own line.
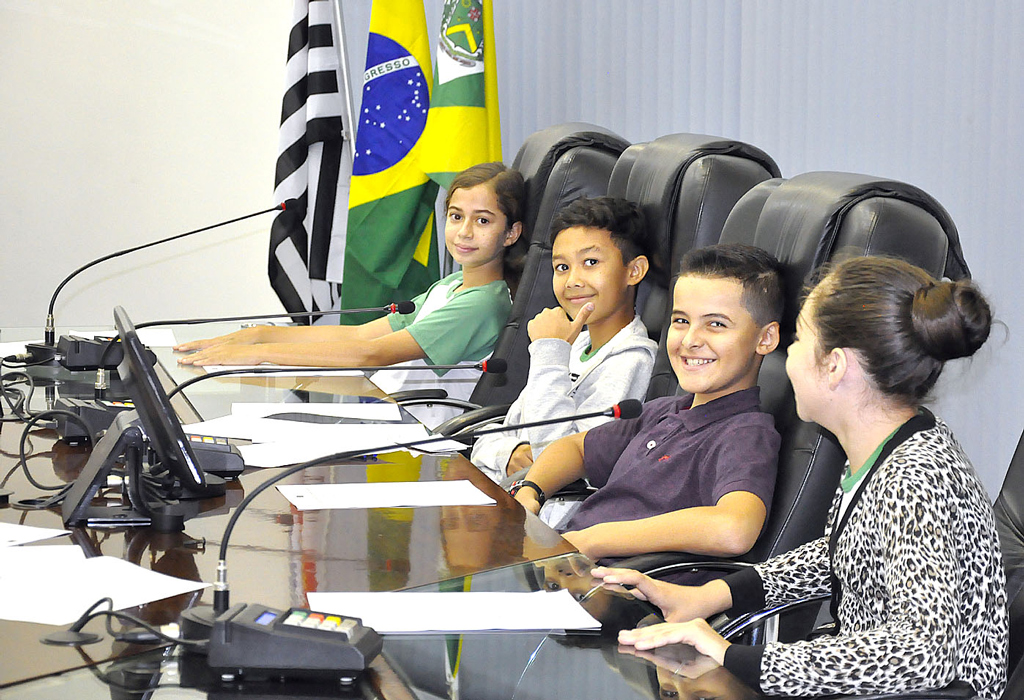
<point x="148" y="497"/>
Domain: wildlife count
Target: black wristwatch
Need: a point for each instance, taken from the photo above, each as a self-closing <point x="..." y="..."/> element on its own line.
<point x="516" y="485"/>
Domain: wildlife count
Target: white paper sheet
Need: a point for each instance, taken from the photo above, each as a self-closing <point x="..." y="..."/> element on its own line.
<point x="364" y="411"/>
<point x="415" y="611"/>
<point x="304" y="441"/>
<point x="55" y="588"/>
<point x="391" y="494"/>
<point x="153" y="337"/>
<point x="330" y="437"/>
<point x="12" y="534"/>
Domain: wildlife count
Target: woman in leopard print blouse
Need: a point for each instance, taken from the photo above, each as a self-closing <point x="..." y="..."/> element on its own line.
<point x="910" y="552"/>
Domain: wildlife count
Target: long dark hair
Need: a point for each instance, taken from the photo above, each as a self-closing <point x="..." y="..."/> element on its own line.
<point x="510" y="191"/>
<point x="903" y="323"/>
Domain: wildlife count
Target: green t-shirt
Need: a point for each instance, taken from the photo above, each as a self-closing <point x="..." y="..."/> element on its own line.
<point x="452" y="327"/>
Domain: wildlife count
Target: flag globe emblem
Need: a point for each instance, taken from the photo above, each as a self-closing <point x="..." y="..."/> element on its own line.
<point x="396" y="100"/>
<point x="462" y="32"/>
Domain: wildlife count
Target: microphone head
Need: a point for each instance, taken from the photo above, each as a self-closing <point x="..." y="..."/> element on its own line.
<point x="404" y="307"/>
<point x="495" y="365"/>
<point x="289" y="205"/>
<point x="630" y="408"/>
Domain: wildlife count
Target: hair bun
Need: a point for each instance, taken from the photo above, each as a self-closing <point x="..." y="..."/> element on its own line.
<point x="950" y="319"/>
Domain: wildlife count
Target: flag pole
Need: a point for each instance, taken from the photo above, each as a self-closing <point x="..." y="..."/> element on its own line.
<point x="349" y="126"/>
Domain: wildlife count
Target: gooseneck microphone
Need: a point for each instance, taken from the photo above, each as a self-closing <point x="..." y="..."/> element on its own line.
<point x="398" y="307"/>
<point x="49" y="332"/>
<point x="630" y="408"/>
<point x="493" y="366"/>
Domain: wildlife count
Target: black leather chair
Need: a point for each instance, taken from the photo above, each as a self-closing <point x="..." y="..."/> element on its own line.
<point x="1009" y="511"/>
<point x="559" y="164"/>
<point x="1009" y="517"/>
<point x="805" y="222"/>
<point x="687" y="184"/>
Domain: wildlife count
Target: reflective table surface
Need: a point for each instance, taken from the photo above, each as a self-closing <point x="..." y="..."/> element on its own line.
<point x="278" y="554"/>
<point x="483" y="666"/>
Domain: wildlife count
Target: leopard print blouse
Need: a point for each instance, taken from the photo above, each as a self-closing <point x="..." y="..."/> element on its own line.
<point x="917" y="562"/>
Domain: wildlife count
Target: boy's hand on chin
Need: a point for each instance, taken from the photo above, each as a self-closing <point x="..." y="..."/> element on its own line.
<point x="554" y="323"/>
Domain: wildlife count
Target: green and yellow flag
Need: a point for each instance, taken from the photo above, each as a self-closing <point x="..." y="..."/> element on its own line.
<point x="390" y="253"/>
<point x="463" y="127"/>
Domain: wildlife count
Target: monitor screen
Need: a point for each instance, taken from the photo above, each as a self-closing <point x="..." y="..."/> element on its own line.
<point x="159" y="422"/>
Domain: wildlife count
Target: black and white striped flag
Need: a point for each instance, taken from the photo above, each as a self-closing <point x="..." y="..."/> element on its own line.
<point x="307" y="244"/>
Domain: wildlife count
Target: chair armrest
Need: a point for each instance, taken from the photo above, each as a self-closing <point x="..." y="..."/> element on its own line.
<point x="472" y="419"/>
<point x="739" y="625"/>
<point x="953" y="691"/>
<point x="658" y="564"/>
<point x="410" y="394"/>
<point x="427" y="401"/>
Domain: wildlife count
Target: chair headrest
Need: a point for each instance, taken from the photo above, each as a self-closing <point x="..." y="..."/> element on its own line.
<point x="818" y="217"/>
<point x="680" y="217"/>
<point x="540" y="155"/>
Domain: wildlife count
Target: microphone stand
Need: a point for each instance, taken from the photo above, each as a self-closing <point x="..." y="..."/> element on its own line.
<point x="46" y="351"/>
<point x="399" y="307"/>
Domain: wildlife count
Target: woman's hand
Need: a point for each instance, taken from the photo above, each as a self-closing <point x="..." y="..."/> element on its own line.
<point x="246" y="336"/>
<point x="677" y="603"/>
<point x="696" y="633"/>
<point x="658" y="593"/>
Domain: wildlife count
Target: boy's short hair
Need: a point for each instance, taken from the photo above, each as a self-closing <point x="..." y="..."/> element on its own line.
<point x="756" y="269"/>
<point x="623" y="219"/>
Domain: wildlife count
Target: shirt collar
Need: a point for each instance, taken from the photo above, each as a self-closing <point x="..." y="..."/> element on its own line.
<point x="742" y="401"/>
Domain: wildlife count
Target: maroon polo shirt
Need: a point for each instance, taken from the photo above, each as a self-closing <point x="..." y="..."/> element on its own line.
<point x="674" y="457"/>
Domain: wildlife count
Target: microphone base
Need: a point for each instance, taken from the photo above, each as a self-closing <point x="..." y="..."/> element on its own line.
<point x="196" y="623"/>
<point x="41" y="353"/>
<point x="70" y="638"/>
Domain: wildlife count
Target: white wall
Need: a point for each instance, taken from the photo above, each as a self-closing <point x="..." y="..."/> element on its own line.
<point x="123" y="122"/>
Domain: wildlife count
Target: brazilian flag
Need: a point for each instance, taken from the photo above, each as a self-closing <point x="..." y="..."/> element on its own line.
<point x="390" y="253"/>
<point x="463" y="126"/>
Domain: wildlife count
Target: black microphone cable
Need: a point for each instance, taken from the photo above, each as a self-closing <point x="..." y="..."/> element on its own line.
<point x="398" y="307"/>
<point x="49" y="331"/>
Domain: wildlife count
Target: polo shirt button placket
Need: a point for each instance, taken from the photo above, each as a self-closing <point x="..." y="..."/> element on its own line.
<point x="651" y="444"/>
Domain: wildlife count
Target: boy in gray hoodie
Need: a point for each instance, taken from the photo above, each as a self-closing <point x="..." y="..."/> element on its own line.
<point x="591" y="352"/>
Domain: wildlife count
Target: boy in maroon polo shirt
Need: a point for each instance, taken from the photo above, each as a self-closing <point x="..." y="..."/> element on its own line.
<point x="691" y="474"/>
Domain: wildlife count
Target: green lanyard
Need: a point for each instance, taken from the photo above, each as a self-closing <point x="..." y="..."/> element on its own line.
<point x="851" y="480"/>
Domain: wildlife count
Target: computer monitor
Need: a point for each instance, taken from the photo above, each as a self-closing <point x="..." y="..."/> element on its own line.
<point x="152" y="425"/>
<point x="159" y="422"/>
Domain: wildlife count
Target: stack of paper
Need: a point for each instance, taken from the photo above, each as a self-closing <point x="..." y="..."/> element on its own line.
<point x="282" y="434"/>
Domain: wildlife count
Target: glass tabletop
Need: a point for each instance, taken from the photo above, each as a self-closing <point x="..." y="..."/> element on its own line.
<point x="481" y="666"/>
